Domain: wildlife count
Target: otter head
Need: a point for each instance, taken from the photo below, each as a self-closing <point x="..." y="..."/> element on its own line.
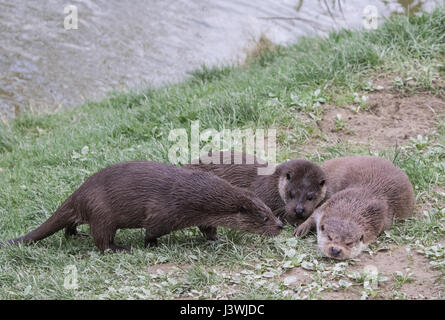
<point x="348" y="222"/>
<point x="302" y="187"/>
<point x="252" y="215"/>
<point x="340" y="239"/>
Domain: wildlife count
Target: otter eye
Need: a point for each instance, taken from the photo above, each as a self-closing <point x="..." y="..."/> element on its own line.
<point x="322" y="227"/>
<point x="322" y="183"/>
<point x="242" y="210"/>
<point x="329" y="237"/>
<point x="266" y="219"/>
<point x="310" y="197"/>
<point x="362" y="238"/>
<point x="287" y="176"/>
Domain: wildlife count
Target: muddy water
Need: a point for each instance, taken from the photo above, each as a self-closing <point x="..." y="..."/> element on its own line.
<point x="130" y="44"/>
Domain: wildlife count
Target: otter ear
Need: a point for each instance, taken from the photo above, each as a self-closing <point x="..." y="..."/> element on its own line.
<point x="283" y="170"/>
<point x="280" y="169"/>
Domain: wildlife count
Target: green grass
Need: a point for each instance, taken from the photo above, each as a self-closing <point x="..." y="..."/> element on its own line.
<point x="43" y="159"/>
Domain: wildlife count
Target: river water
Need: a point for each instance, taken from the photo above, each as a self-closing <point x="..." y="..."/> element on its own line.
<point x="47" y="64"/>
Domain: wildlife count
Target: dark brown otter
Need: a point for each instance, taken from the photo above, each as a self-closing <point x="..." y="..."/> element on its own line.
<point x="365" y="194"/>
<point x="292" y="189"/>
<point x="160" y="198"/>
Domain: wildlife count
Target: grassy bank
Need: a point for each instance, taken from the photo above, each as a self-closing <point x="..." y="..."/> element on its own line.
<point x="45" y="157"/>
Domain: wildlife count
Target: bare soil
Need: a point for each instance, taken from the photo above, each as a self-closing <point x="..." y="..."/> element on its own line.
<point x="391" y="119"/>
<point x="164" y="267"/>
<point x="425" y="283"/>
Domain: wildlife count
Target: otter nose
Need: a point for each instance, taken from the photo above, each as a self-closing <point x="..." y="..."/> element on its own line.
<point x="299" y="210"/>
<point x="334" y="251"/>
<point x="280" y="225"/>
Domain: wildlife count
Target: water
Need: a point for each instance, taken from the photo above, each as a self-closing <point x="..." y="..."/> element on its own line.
<point x="132" y="44"/>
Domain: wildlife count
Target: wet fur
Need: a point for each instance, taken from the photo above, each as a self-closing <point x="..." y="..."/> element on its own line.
<point x="158" y="197"/>
<point x="364" y="196"/>
<point x="241" y="170"/>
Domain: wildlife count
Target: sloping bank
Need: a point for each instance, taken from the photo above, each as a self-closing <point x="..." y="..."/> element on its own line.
<point x="44" y="152"/>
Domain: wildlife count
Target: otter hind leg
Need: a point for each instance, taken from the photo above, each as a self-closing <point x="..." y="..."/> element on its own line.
<point x="71" y="231"/>
<point x="209" y="232"/>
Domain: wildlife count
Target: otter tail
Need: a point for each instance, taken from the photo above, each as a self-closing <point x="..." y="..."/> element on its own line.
<point x="60" y="219"/>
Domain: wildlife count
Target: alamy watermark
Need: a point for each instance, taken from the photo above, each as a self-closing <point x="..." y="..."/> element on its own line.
<point x="71" y="20"/>
<point x="188" y="149"/>
<point x="71" y="279"/>
<point x="371" y="280"/>
<point x="370" y="17"/>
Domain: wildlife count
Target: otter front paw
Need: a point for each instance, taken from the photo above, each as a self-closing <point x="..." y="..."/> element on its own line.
<point x="209" y="232"/>
<point x="151" y="242"/>
<point x="302" y="230"/>
<point x="213" y="238"/>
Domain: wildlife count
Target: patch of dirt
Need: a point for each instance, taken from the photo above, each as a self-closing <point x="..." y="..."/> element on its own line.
<point x="302" y="277"/>
<point x="165" y="267"/>
<point x="391" y="119"/>
<point x="425" y="282"/>
<point x="440" y="190"/>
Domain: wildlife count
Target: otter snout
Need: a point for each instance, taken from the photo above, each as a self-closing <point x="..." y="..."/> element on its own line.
<point x="334" y="252"/>
<point x="299" y="210"/>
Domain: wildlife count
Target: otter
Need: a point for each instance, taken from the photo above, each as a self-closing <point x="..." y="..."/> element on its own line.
<point x="364" y="195"/>
<point x="160" y="198"/>
<point x="292" y="191"/>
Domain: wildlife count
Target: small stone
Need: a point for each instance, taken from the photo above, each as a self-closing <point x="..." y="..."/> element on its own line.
<point x="268" y="274"/>
<point x="289" y="280"/>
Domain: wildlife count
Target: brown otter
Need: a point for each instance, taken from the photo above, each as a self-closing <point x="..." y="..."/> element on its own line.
<point x="293" y="190"/>
<point x="160" y="198"/>
<point x="365" y="194"/>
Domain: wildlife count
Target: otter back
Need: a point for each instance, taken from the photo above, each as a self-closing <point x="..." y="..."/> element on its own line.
<point x="292" y="190"/>
<point x="365" y="194"/>
<point x="380" y="178"/>
<point x="158" y="197"/>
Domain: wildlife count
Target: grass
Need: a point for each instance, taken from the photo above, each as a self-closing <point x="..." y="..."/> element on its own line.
<point x="45" y="157"/>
